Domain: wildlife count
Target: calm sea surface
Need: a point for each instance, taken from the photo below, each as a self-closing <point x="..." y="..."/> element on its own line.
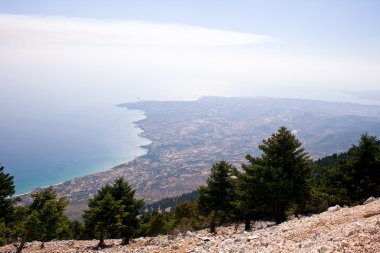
<point x="51" y="147"/>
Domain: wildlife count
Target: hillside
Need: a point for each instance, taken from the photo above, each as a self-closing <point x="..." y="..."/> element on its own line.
<point x="355" y="229"/>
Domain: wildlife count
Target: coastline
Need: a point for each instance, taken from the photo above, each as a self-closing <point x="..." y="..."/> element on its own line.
<point x="142" y="134"/>
<point x="144" y="148"/>
<point x="38" y="189"/>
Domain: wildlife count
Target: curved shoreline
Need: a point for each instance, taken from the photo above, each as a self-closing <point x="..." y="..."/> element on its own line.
<point x="143" y="146"/>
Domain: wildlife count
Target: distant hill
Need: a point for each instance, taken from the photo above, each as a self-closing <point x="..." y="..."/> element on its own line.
<point x="240" y="124"/>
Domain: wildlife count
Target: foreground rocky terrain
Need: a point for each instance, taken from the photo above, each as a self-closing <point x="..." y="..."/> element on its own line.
<point x="355" y="229"/>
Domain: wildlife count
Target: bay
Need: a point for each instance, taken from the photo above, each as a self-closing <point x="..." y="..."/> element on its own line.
<point x="46" y="147"/>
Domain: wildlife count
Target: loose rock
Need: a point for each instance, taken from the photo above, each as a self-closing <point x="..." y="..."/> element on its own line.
<point x="369" y="200"/>
<point x="355" y="229"/>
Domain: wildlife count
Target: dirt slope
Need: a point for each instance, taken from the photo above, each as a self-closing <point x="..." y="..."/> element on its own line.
<point x="355" y="229"/>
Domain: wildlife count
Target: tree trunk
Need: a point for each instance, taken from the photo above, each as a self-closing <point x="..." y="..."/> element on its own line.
<point x="279" y="213"/>
<point x="213" y="223"/>
<point x="247" y="224"/>
<point x="101" y="239"/>
<point x="280" y="218"/>
<point x="23" y="240"/>
<point x="126" y="240"/>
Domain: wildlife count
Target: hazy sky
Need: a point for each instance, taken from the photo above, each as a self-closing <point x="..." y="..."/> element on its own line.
<point x="77" y="52"/>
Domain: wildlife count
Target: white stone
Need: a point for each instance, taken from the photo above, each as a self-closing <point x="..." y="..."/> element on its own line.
<point x="333" y="208"/>
<point x="369" y="200"/>
<point x="323" y="249"/>
<point x="252" y="237"/>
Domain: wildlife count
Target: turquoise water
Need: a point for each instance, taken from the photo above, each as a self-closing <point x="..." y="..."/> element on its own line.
<point x="52" y="147"/>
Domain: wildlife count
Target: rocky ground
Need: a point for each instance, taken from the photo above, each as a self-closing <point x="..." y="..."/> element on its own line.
<point x="355" y="229"/>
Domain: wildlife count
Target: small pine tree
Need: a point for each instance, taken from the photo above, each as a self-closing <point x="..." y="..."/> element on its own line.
<point x="105" y="213"/>
<point x="7" y="209"/>
<point x="122" y="191"/>
<point x="249" y="204"/>
<point x="45" y="219"/>
<point x="278" y="179"/>
<point x="186" y="217"/>
<point x="357" y="176"/>
<point x="7" y="189"/>
<point x="215" y="199"/>
<point x="77" y="229"/>
<point x="122" y="220"/>
<point x="157" y="225"/>
<point x="4" y="231"/>
<point x="364" y="169"/>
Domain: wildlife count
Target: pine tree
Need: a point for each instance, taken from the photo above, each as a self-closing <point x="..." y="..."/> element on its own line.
<point x="122" y="191"/>
<point x="123" y="220"/>
<point x="356" y="177"/>
<point x="278" y="179"/>
<point x="104" y="214"/>
<point x="364" y="169"/>
<point x="157" y="224"/>
<point x="45" y="219"/>
<point x="77" y="229"/>
<point x="216" y="198"/>
<point x="7" y="189"/>
<point x="186" y="217"/>
<point x="250" y="205"/>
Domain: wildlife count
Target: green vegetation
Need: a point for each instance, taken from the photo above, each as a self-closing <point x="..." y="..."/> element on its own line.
<point x="113" y="210"/>
<point x="352" y="177"/>
<point x="7" y="189"/>
<point x="187" y="217"/>
<point x="278" y="179"/>
<point x="281" y="181"/>
<point x="44" y="218"/>
<point x="170" y="203"/>
<point x="215" y="199"/>
<point x="105" y="215"/>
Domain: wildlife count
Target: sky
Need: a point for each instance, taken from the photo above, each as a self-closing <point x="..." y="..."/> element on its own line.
<point x="94" y="51"/>
<point x="101" y="51"/>
<point x="111" y="51"/>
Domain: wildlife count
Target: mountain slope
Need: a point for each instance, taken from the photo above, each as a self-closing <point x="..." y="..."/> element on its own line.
<point x="355" y="229"/>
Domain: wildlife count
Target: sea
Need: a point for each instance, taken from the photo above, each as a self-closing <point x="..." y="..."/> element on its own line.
<point x="54" y="146"/>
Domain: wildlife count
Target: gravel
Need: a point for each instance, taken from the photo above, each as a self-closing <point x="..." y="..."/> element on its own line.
<point x="341" y="229"/>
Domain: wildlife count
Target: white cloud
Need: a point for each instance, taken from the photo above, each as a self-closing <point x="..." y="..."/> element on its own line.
<point x="18" y="30"/>
<point x="52" y="59"/>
